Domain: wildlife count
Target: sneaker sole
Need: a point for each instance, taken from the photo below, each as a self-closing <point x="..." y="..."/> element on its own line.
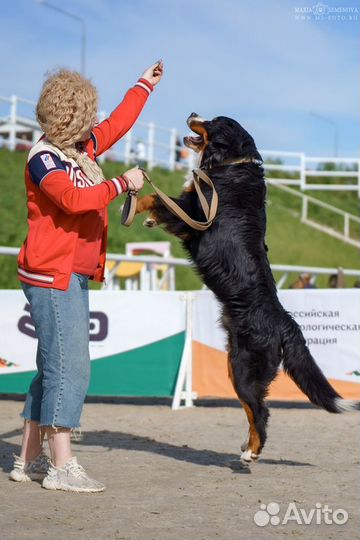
<point x="54" y="487"/>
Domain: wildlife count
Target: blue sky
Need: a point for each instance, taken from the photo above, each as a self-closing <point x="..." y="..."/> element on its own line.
<point x="251" y="60"/>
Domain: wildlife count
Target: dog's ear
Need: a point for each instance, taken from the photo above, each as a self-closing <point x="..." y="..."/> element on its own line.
<point x="213" y="154"/>
<point x="247" y="147"/>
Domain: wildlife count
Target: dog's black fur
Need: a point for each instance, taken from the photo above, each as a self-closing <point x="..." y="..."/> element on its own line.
<point x="231" y="257"/>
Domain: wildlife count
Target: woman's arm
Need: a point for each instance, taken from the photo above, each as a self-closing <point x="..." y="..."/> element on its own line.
<point x="73" y="200"/>
<point x="49" y="174"/>
<point x="108" y="132"/>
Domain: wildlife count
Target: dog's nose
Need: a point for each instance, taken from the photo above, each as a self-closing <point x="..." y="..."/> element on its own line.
<point x="193" y="114"/>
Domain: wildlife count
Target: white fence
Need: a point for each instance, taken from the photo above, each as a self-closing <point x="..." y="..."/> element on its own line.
<point x="18" y="129"/>
<point x="172" y="262"/>
<point x="350" y="223"/>
<point x="160" y="146"/>
<point x="305" y="171"/>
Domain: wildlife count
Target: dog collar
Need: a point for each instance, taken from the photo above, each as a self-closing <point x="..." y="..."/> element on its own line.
<point x="235" y="162"/>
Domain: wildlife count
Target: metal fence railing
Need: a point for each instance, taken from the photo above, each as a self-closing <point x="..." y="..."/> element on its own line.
<point x="152" y="261"/>
<point x="162" y="146"/>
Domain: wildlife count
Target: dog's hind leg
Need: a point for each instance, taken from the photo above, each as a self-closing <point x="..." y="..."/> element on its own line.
<point x="251" y="391"/>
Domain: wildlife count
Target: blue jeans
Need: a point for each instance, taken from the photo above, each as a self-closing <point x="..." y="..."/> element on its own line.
<point x="57" y="392"/>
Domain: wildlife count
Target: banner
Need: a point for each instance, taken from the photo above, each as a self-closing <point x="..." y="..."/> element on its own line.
<point x="137" y="339"/>
<point x="136" y="342"/>
<point x="330" y="320"/>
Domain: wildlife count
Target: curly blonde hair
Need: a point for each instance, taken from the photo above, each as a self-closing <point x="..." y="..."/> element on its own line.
<point x="66" y="110"/>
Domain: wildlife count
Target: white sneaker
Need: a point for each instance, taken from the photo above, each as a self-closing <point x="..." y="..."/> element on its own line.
<point x="31" y="470"/>
<point x="71" y="477"/>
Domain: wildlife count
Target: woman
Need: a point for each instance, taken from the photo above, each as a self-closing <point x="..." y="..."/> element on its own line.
<point x="65" y="246"/>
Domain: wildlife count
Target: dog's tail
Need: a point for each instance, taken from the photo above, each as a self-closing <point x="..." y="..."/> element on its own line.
<point x="302" y="368"/>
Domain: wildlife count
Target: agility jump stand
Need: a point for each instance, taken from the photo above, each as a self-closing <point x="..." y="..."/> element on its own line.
<point x="183" y="387"/>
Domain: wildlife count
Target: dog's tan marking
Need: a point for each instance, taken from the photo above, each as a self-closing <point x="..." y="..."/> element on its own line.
<point x="254" y="439"/>
<point x="197" y="127"/>
<point x="144" y="204"/>
<point x="254" y="444"/>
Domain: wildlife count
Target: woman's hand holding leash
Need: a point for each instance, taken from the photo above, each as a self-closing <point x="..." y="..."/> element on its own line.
<point x="134" y="179"/>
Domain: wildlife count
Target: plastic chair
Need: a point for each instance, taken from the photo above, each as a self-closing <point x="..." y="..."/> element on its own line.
<point x="128" y="271"/>
<point x="153" y="276"/>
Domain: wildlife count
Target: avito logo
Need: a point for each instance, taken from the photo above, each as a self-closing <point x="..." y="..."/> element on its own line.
<point x="269" y="514"/>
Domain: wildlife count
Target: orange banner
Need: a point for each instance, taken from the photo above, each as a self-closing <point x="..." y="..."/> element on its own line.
<point x="210" y="379"/>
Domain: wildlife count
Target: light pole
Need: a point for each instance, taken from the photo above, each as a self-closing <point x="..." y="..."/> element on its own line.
<point x="329" y="121"/>
<point x="83" y="28"/>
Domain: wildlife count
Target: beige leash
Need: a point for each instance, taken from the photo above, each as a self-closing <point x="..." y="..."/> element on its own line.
<point x="129" y="209"/>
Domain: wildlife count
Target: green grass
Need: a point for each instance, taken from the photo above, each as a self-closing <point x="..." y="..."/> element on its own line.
<point x="293" y="243"/>
<point x="289" y="241"/>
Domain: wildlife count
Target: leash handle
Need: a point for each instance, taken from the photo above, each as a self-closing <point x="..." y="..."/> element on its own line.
<point x="129" y="209"/>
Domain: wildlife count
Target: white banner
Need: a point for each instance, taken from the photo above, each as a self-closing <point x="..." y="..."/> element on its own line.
<point x="124" y="320"/>
<point x="329" y="318"/>
<point x="119" y="321"/>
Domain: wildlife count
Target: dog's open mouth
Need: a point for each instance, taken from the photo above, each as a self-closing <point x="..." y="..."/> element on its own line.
<point x="194" y="141"/>
<point x="198" y="141"/>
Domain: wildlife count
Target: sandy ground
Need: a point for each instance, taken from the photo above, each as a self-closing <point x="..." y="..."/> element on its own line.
<point x="175" y="475"/>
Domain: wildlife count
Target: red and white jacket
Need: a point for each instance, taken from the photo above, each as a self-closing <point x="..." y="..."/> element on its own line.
<point x="67" y="212"/>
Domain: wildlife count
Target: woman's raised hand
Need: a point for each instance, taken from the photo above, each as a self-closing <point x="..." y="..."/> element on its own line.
<point x="154" y="73"/>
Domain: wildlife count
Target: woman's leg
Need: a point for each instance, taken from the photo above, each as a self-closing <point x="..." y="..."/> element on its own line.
<point x="72" y="312"/>
<point x="62" y="326"/>
<point x="61" y="321"/>
<point x="33" y="463"/>
<point x="33" y="437"/>
<point x="57" y="392"/>
<point x="58" y="439"/>
<point x="60" y="445"/>
<point x="61" y="409"/>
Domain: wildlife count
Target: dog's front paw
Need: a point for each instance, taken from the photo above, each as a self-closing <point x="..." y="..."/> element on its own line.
<point x="249" y="456"/>
<point x="150" y="223"/>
